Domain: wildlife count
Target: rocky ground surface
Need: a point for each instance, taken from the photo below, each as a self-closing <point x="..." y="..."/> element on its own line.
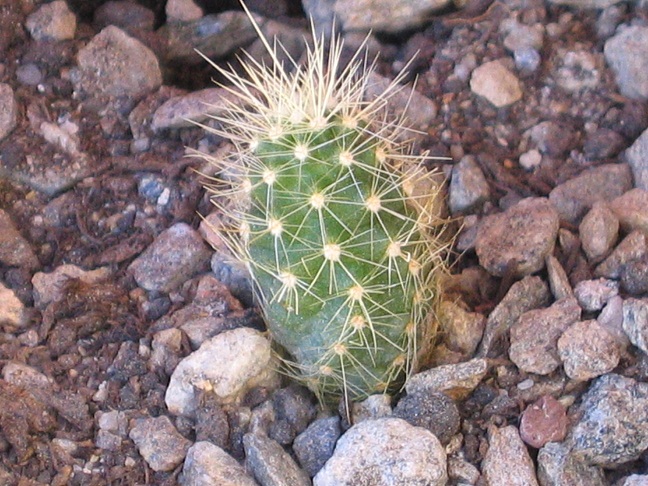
<point x="131" y="352"/>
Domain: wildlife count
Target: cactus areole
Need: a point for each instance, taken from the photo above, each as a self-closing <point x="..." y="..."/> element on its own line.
<point x="345" y="258"/>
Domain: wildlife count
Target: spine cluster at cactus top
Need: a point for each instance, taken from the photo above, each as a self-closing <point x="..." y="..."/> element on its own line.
<point x="344" y="257"/>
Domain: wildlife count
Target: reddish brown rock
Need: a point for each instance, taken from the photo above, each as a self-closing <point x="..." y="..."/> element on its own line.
<point x="543" y="421"/>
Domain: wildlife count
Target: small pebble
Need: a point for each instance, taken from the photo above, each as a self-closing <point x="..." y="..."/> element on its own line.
<point x="599" y="231"/>
<point x="588" y="350"/>
<point x="505" y="450"/>
<point x="159" y="443"/>
<point x="315" y="445"/>
<point x="496" y="83"/>
<point x="544" y="421"/>
<point x="207" y="464"/>
<point x="592" y="295"/>
<point x="558" y="466"/>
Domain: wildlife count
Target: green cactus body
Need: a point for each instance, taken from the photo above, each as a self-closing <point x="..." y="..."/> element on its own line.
<point x="343" y="257"/>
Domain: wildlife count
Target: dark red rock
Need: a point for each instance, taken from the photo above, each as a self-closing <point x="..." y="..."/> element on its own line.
<point x="544" y="421"/>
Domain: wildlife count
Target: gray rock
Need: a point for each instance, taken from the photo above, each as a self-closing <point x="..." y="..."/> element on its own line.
<point x="627" y="55"/>
<point x="455" y="380"/>
<point x="527" y="60"/>
<point x="315" y="445"/>
<point x="461" y="471"/>
<point x="227" y="365"/>
<point x="385" y="452"/>
<point x="599" y="231"/>
<point x="637" y="157"/>
<point x="558" y="280"/>
<point x="613" y="424"/>
<point x="29" y="74"/>
<point x="131" y="17"/>
<point x="557" y="466"/>
<point x="372" y="407"/>
<point x="519" y="36"/>
<point x="166" y="348"/>
<point x="530" y="160"/>
<point x="634" y="276"/>
<point x="519" y="239"/>
<point x="8" y="110"/>
<point x="603" y="143"/>
<point x="270" y="464"/>
<point x="116" y="65"/>
<point x="176" y="255"/>
<point x="527" y="294"/>
<point x="630" y="208"/>
<point x="433" y="411"/>
<point x="385" y="15"/>
<point x="577" y="70"/>
<point x="588" y="350"/>
<point x="632" y="248"/>
<point x="15" y="251"/>
<point x="505" y="450"/>
<point x="195" y="107"/>
<point x="534" y="337"/>
<point x="294" y="410"/>
<point x="573" y="198"/>
<point x="634" y="480"/>
<point x="159" y="443"/>
<point x="214" y="36"/>
<point x="496" y="83"/>
<point x="468" y="187"/>
<point x="635" y="322"/>
<point x="52" y="22"/>
<point x="207" y="465"/>
<point x="592" y="295"/>
<point x="462" y="330"/>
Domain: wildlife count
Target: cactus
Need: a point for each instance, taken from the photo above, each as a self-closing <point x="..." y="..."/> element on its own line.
<point x="344" y="256"/>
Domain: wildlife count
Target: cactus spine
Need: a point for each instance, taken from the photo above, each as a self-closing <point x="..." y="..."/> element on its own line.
<point x="343" y="255"/>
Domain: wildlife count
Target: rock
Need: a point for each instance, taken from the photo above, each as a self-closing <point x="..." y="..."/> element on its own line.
<point x="630" y="208"/>
<point x="634" y="480"/>
<point x="599" y="231"/>
<point x="592" y="295"/>
<point x="613" y="424"/>
<point x="9" y="110"/>
<point x="433" y="411"/>
<point x="634" y="276"/>
<point x="527" y="294"/>
<point x="176" y="255"/>
<point x="15" y="251"/>
<point x="131" y="17"/>
<point x="637" y="157"/>
<point x="385" y="452"/>
<point x="456" y="380"/>
<point x="611" y="318"/>
<point x="588" y="350"/>
<point x="227" y="365"/>
<point x="496" y="83"/>
<point x="558" y="280"/>
<point x="52" y="22"/>
<point x="384" y="15"/>
<point x="166" y="348"/>
<point x="293" y="410"/>
<point x="530" y="159"/>
<point x="583" y="4"/>
<point x="635" y="322"/>
<point x="632" y="248"/>
<point x="519" y="239"/>
<point x="116" y="65"/>
<point x="419" y="110"/>
<point x="544" y="421"/>
<point x="372" y="407"/>
<point x="462" y="472"/>
<point x="505" y="450"/>
<point x="182" y="11"/>
<point x="550" y="138"/>
<point x="468" y="187"/>
<point x="189" y="109"/>
<point x="520" y="36"/>
<point x="214" y="36"/>
<point x="627" y="55"/>
<point x="603" y="143"/>
<point x="315" y="445"/>
<point x="270" y="464"/>
<point x="207" y="464"/>
<point x="572" y="199"/>
<point x="577" y="70"/>
<point x="159" y="443"/>
<point x="462" y="331"/>
<point x="558" y="466"/>
<point x="534" y="338"/>
<point x="48" y="287"/>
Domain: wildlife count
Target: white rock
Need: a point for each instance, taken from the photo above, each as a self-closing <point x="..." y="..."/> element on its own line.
<point x="12" y="310"/>
<point x="496" y="83"/>
<point x="627" y="55"/>
<point x="229" y="364"/>
<point x="8" y="110"/>
<point x="385" y="452"/>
